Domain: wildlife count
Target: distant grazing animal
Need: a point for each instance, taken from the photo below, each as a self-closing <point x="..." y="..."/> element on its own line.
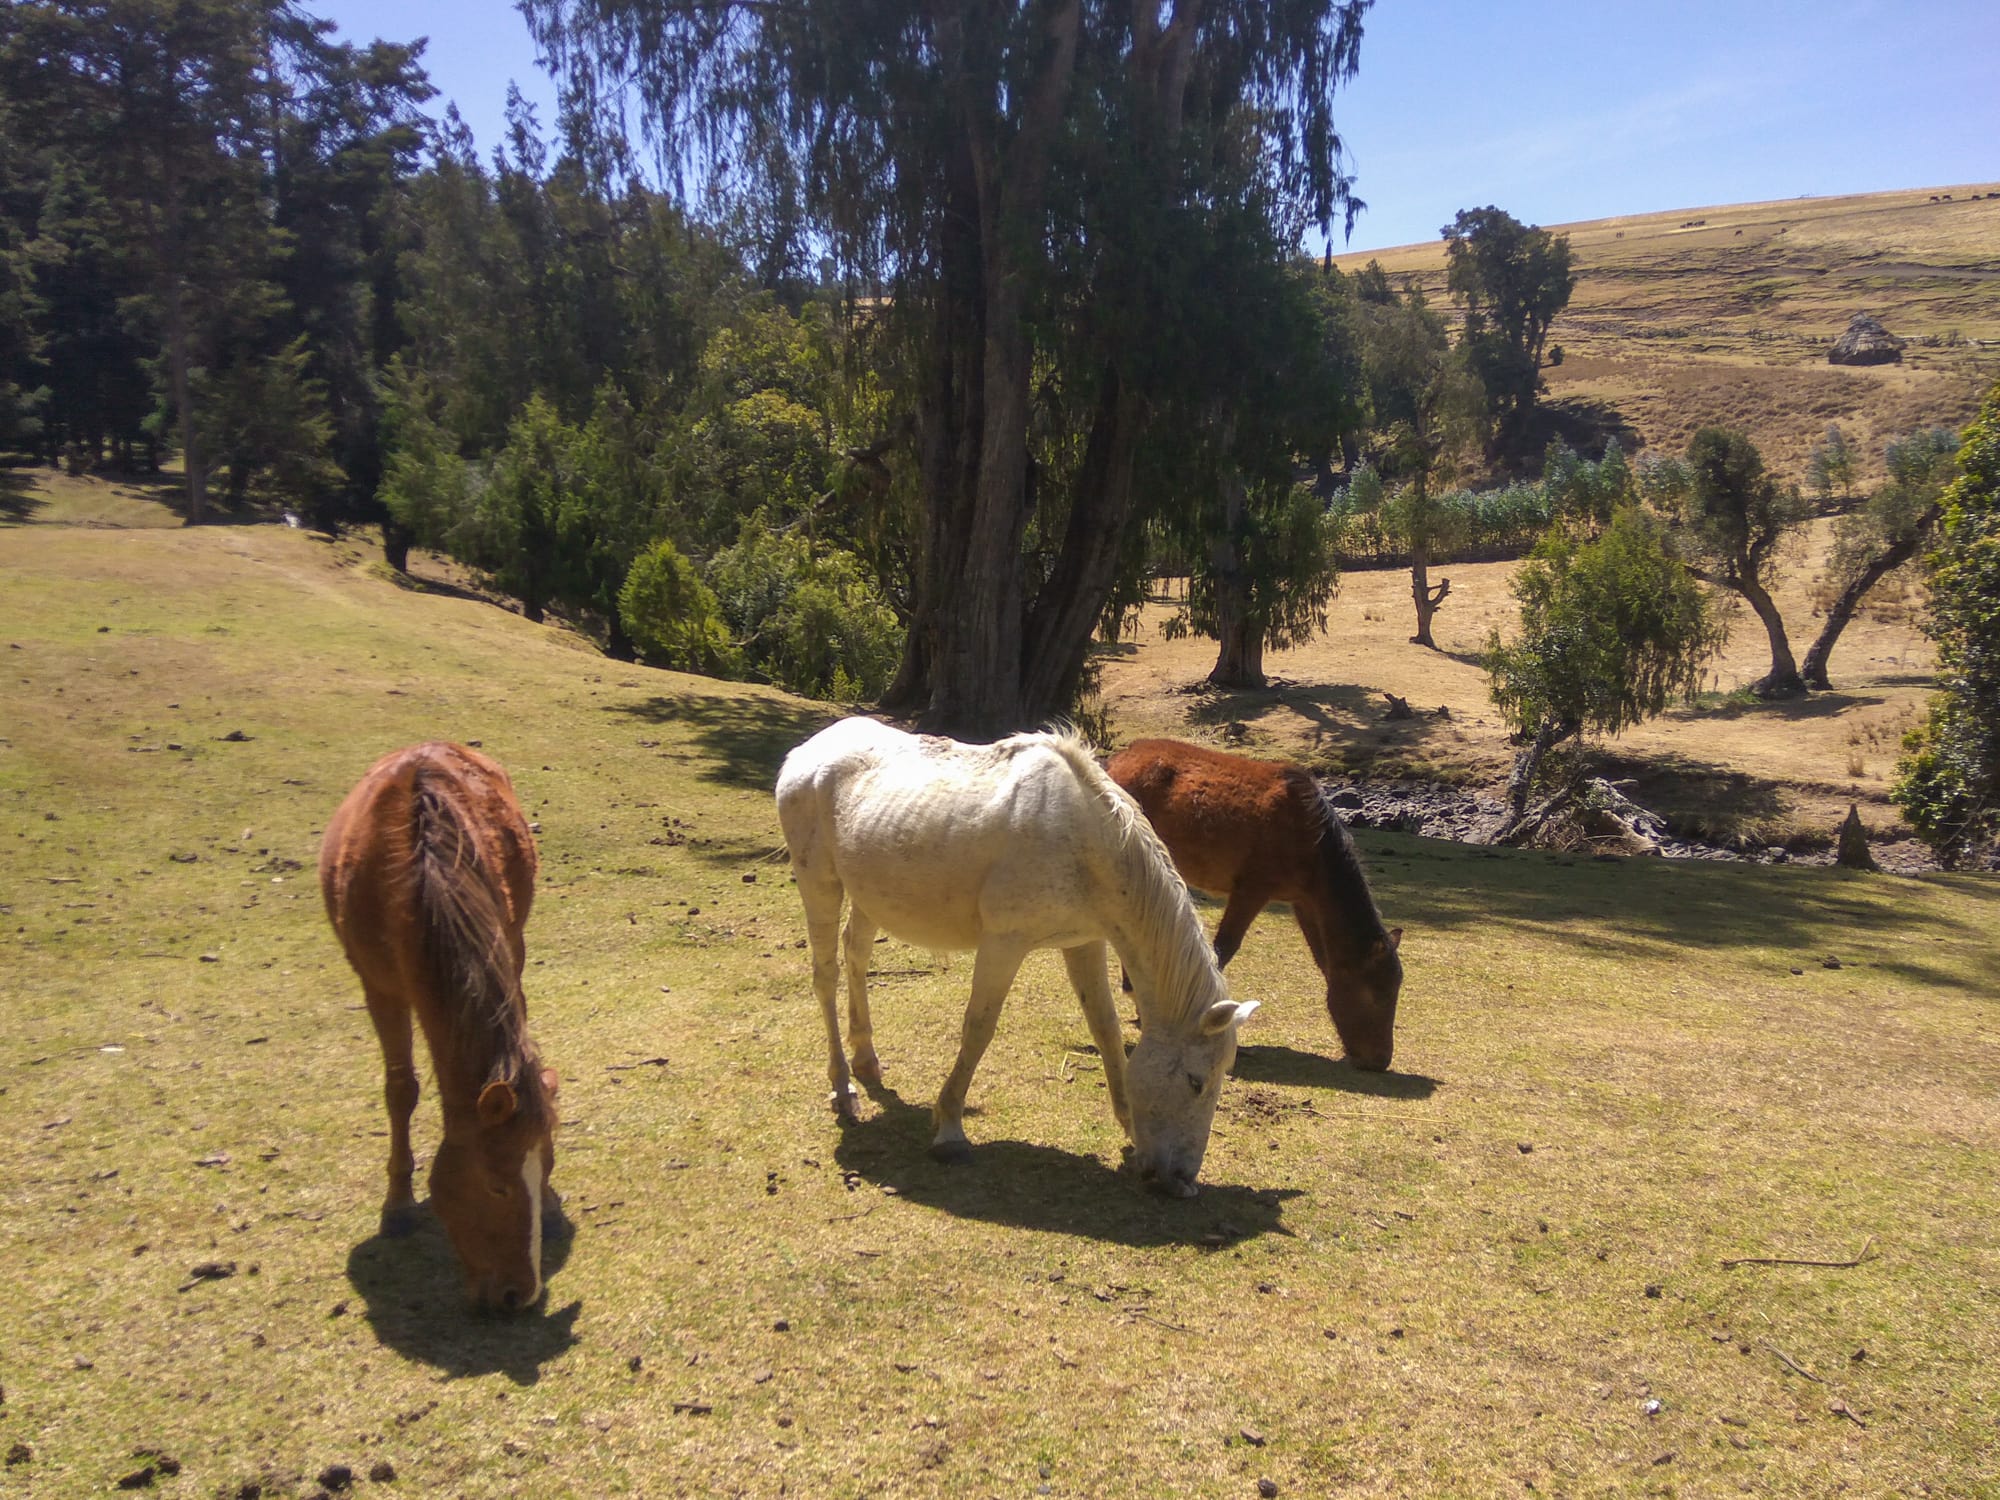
<point x="1004" y="849"/>
<point x="428" y="870"/>
<point x="1254" y="832"/>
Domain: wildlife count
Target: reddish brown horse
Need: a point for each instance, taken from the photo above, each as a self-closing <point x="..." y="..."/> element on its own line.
<point x="428" y="870"/>
<point x="1253" y="832"/>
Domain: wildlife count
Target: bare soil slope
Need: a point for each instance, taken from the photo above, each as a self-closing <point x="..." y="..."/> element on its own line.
<point x="1726" y="314"/>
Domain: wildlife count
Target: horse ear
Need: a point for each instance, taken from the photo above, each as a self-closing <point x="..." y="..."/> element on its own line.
<point x="1224" y="1014"/>
<point x="550" y="1083"/>
<point x="497" y="1103"/>
<point x="1395" y="938"/>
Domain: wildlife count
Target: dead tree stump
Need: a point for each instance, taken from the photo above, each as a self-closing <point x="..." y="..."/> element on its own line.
<point x="1853" y="852"/>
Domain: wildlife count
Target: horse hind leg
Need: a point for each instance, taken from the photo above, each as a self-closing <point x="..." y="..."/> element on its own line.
<point x="1086" y="965"/>
<point x="822" y="902"/>
<point x="857" y="945"/>
<point x="992" y="976"/>
<point x="399" y="1092"/>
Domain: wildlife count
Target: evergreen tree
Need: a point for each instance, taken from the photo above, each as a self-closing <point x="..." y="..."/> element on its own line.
<point x="1513" y="279"/>
<point x="1949" y="783"/>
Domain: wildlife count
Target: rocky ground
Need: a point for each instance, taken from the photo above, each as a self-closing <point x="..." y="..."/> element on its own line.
<point x="1440" y="811"/>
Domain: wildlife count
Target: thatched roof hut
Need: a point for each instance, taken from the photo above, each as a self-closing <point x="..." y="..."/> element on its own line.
<point x="1866" y="342"/>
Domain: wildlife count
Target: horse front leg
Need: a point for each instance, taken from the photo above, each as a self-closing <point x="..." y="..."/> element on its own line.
<point x="400" y="1091"/>
<point x="1085" y="963"/>
<point x="1242" y="908"/>
<point x="857" y="944"/>
<point x="993" y="973"/>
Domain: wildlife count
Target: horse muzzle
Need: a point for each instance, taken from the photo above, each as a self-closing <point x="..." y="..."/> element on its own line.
<point x="1169" y="1182"/>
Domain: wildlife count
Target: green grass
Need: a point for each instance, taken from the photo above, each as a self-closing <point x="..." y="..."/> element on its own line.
<point x="1378" y="1282"/>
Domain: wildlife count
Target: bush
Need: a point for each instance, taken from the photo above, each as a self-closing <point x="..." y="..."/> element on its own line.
<point x="810" y="621"/>
<point x="673" y="617"/>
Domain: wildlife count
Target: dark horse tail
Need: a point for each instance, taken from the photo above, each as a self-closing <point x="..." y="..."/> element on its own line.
<point x="465" y="925"/>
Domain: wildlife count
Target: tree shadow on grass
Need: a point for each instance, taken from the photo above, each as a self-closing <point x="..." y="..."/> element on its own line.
<point x="1026" y="1186"/>
<point x="744" y="740"/>
<point x="17" y="506"/>
<point x="1287" y="1066"/>
<point x="1446" y="893"/>
<point x="415" y="1295"/>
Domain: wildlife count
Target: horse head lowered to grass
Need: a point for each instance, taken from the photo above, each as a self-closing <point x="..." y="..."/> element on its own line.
<point x="1004" y="849"/>
<point x="428" y="870"/>
<point x="1253" y="832"/>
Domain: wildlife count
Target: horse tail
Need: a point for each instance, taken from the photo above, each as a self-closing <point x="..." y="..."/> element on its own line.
<point x="464" y="923"/>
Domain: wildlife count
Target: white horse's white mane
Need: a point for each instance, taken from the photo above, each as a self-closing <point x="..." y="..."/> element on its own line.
<point x="1188" y="981"/>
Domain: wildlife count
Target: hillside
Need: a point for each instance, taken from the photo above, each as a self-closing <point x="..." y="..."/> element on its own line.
<point x="1506" y="1263"/>
<point x="1724" y="315"/>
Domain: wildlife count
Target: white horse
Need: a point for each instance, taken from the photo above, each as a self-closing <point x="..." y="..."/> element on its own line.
<point x="1004" y="849"/>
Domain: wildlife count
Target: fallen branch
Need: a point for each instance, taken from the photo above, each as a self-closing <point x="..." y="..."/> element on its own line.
<point x="644" y="1062"/>
<point x="1793" y="1365"/>
<point x="843" y="1218"/>
<point x="1786" y="1260"/>
<point x="1144" y="1317"/>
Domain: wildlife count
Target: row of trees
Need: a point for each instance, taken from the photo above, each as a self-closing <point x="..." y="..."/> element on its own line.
<point x="989" y="308"/>
<point x="195" y="245"/>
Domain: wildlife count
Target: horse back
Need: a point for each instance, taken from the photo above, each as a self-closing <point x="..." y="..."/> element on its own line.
<point x="373" y="877"/>
<point x="1227" y="819"/>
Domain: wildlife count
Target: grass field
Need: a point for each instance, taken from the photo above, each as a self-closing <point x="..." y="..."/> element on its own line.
<point x="1724" y="315"/>
<point x="1499" y="1267"/>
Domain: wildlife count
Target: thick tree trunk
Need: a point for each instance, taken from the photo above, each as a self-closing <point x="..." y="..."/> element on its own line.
<point x="618" y="645"/>
<point x="975" y="600"/>
<point x="1783" y="680"/>
<point x="1070" y="601"/>
<point x="1240" y="660"/>
<point x="179" y="375"/>
<point x="1813" y="669"/>
<point x="396" y="539"/>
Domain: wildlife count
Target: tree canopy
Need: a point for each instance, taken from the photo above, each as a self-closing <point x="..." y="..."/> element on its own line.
<point x="1031" y="192"/>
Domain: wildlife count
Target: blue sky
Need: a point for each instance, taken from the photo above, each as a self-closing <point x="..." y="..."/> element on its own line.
<point x="1555" y="110"/>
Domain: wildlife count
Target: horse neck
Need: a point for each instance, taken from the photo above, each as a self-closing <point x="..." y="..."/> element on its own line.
<point x="467" y="1053"/>
<point x="1152" y="923"/>
<point x="1352" y="923"/>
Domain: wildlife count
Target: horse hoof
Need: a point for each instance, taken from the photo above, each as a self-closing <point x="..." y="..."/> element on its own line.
<point x="869" y="1072"/>
<point x="846" y="1106"/>
<point x="399" y="1222"/>
<point x="952" y="1153"/>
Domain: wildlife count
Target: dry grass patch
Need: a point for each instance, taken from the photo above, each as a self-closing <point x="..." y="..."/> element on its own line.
<point x="1379" y="1291"/>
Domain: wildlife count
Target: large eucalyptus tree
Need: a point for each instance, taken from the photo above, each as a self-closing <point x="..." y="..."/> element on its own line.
<point x="1025" y="186"/>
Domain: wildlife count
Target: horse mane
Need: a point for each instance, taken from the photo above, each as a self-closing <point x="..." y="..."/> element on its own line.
<point x="1340" y="863"/>
<point x="1188" y="979"/>
<point x="464" y="923"/>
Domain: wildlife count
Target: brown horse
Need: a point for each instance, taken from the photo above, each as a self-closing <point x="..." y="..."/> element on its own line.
<point x="1253" y="832"/>
<point x="428" y="870"/>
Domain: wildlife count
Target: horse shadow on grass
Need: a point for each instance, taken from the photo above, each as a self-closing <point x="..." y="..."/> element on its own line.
<point x="1029" y="1186"/>
<point x="414" y="1293"/>
<point x="1290" y="1068"/>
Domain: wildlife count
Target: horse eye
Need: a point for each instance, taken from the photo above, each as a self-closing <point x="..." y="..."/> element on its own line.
<point x="1194" y="1082"/>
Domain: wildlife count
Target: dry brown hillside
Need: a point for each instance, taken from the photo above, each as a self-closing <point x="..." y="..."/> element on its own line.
<point x="1725" y="315"/>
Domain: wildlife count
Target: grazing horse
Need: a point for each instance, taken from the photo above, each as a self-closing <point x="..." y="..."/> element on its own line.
<point x="1004" y="849"/>
<point x="1252" y="832"/>
<point x="428" y="870"/>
